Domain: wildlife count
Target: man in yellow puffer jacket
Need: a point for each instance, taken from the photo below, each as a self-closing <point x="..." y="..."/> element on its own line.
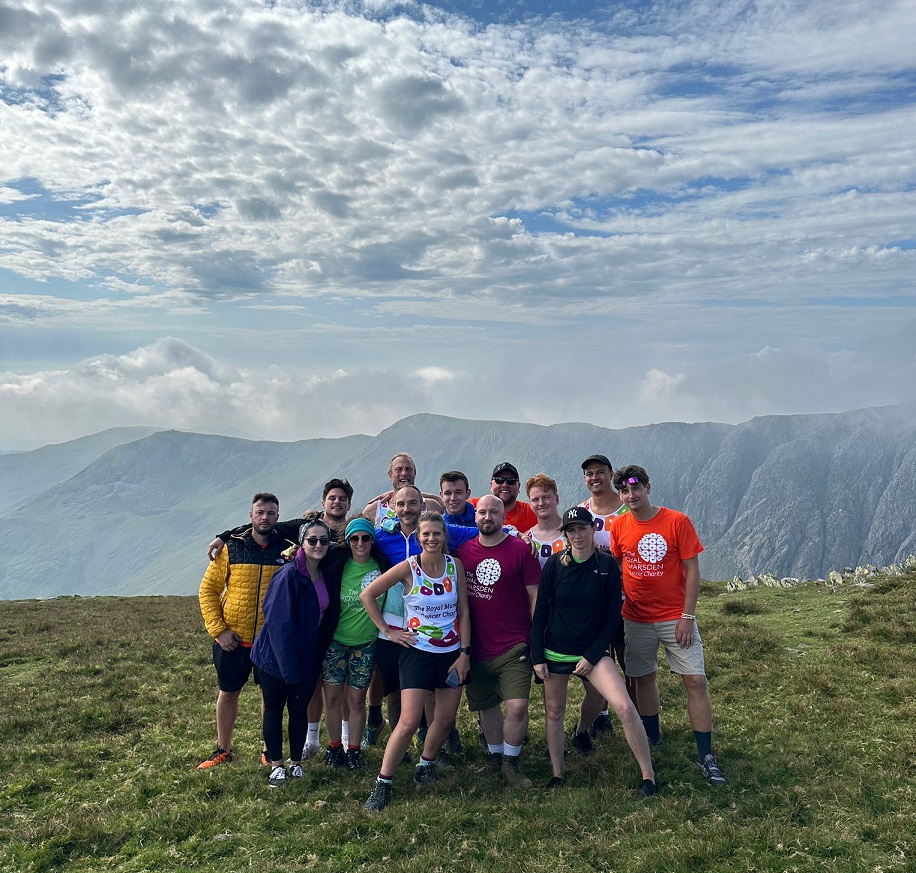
<point x="231" y="595"/>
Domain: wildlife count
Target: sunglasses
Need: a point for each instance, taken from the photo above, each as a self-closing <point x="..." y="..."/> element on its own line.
<point x="505" y="480"/>
<point x="317" y="541"/>
<point x="361" y="538"/>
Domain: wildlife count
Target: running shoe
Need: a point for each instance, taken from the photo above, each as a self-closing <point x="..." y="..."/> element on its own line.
<point x="379" y="797"/>
<point x="277" y="777"/>
<point x="425" y="774"/>
<point x="712" y="771"/>
<point x="601" y="725"/>
<point x="295" y="771"/>
<point x="555" y="783"/>
<point x="355" y="760"/>
<point x="582" y="743"/>
<point x="310" y="750"/>
<point x="648" y="788"/>
<point x="335" y="756"/>
<point x="220" y="756"/>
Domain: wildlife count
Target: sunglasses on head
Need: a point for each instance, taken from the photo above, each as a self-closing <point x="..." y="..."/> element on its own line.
<point x="505" y="480"/>
<point x="361" y="538"/>
<point x="317" y="541"/>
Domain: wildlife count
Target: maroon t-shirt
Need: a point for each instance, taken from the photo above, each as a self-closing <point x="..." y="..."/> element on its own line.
<point x="498" y="579"/>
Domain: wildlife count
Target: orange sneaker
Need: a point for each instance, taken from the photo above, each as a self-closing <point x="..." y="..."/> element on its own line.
<point x="220" y="756"/>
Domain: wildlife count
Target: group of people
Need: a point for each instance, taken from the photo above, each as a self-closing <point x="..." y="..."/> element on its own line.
<point x="424" y="596"/>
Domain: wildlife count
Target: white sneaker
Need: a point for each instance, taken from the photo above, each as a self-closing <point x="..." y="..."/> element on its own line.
<point x="310" y="750"/>
<point x="277" y="777"/>
<point x="295" y="771"/>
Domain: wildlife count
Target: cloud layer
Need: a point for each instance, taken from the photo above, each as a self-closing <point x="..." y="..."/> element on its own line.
<point x="712" y="202"/>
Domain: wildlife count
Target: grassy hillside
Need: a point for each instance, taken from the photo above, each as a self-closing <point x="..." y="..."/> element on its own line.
<point x="107" y="707"/>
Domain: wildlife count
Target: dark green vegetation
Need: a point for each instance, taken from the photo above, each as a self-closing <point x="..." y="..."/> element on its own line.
<point x="107" y="707"/>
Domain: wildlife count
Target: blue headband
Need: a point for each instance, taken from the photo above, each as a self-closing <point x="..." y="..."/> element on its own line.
<point x="360" y="525"/>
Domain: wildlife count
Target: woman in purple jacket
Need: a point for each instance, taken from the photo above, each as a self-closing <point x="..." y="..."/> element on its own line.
<point x="300" y="614"/>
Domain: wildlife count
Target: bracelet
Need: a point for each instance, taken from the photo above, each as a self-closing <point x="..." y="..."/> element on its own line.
<point x="688" y="616"/>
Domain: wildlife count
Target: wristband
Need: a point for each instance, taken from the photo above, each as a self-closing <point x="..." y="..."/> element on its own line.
<point x="466" y="650"/>
<point x="688" y="616"/>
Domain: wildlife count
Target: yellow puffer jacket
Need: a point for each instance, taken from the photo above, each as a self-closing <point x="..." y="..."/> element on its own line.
<point x="233" y="588"/>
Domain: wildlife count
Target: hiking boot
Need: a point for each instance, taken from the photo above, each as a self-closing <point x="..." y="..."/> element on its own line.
<point x="425" y="774"/>
<point x="555" y="783"/>
<point x="648" y="788"/>
<point x="310" y="750"/>
<point x="355" y="760"/>
<point x="712" y="771"/>
<point x="220" y="756"/>
<point x="444" y="762"/>
<point x="379" y="797"/>
<point x="335" y="757"/>
<point x="602" y="725"/>
<point x="582" y="743"/>
<point x="512" y="773"/>
<point x="277" y="777"/>
<point x="494" y="762"/>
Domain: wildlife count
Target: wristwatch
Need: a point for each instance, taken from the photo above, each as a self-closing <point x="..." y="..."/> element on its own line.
<point x="466" y="650"/>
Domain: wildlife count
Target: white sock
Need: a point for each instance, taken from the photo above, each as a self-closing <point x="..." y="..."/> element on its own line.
<point x="605" y="712"/>
<point x="345" y="732"/>
<point x="511" y="751"/>
<point x="495" y="748"/>
<point x="311" y="737"/>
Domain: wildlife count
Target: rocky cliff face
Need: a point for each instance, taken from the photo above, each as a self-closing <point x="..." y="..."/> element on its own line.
<point x="790" y="495"/>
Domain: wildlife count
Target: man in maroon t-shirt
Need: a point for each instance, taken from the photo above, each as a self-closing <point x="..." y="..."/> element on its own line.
<point x="502" y="582"/>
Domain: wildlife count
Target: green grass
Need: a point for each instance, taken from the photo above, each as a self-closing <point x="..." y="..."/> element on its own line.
<point x="106" y="707"/>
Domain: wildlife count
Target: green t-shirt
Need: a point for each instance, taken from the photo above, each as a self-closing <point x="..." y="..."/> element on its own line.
<point x="355" y="628"/>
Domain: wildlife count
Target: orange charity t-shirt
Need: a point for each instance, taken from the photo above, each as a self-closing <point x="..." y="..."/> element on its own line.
<point x="653" y="553"/>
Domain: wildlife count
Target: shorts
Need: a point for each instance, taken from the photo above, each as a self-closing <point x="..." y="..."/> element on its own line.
<point x="426" y="670"/>
<point x="351" y="665"/>
<point x="643" y="639"/>
<point x="232" y="668"/>
<point x="507" y="677"/>
<point x="387" y="660"/>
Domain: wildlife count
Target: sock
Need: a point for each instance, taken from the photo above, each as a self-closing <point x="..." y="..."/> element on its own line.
<point x="653" y="729"/>
<point x="496" y="748"/>
<point x="345" y="731"/>
<point x="383" y="778"/>
<point x="511" y="751"/>
<point x="312" y="736"/>
<point x="605" y="712"/>
<point x="375" y="716"/>
<point x="351" y="747"/>
<point x="426" y="762"/>
<point x="334" y="745"/>
<point x="704" y="744"/>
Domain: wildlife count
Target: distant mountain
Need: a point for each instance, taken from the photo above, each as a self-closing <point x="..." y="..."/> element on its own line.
<point x="792" y="495"/>
<point x="24" y="474"/>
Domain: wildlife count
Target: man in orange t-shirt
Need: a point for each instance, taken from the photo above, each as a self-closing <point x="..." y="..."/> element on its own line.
<point x="657" y="550"/>
<point x="505" y="484"/>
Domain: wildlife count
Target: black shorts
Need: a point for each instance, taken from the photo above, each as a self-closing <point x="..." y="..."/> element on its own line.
<point x="387" y="659"/>
<point x="232" y="668"/>
<point x="427" y="670"/>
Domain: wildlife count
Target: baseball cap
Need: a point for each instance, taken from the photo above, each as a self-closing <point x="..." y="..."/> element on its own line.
<point x="504" y="467"/>
<point x="597" y="459"/>
<point x="577" y="515"/>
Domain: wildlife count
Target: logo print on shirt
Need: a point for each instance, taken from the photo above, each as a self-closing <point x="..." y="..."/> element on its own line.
<point x="488" y="572"/>
<point x="652" y="548"/>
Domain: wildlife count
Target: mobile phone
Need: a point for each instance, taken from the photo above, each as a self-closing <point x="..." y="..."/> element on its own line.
<point x="453" y="680"/>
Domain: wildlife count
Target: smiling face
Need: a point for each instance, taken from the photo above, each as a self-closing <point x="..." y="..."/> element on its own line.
<point x="408" y="504"/>
<point x="360" y="546"/>
<point x="597" y="478"/>
<point x="432" y="536"/>
<point x="545" y="503"/>
<point x="315" y="542"/>
<point x="336" y="505"/>
<point x="401" y="471"/>
<point x="636" y="496"/>
<point x="505" y="486"/>
<point x="454" y="496"/>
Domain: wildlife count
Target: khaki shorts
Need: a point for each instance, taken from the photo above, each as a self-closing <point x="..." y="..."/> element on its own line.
<point x="641" y="653"/>
<point x="507" y="677"/>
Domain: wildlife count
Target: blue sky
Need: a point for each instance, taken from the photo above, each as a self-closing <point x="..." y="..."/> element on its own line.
<point x="291" y="220"/>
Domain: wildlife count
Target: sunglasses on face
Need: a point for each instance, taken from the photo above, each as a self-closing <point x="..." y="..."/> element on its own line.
<point x="361" y="538"/>
<point x="505" y="480"/>
<point x="317" y="541"/>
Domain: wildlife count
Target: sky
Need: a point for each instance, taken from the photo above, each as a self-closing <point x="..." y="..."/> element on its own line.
<point x="288" y="220"/>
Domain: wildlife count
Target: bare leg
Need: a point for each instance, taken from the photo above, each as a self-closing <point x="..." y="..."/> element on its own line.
<point x="446" y="706"/>
<point x="412" y="700"/>
<point x="356" y="703"/>
<point x="227" y="711"/>
<point x="333" y="698"/>
<point x="491" y="723"/>
<point x="699" y="706"/>
<point x="555" y="689"/>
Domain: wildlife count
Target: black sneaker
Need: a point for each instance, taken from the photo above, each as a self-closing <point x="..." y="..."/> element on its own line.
<point x="355" y="760"/>
<point x="713" y="772"/>
<point x="379" y="797"/>
<point x="582" y="743"/>
<point x="335" y="757"/>
<point x="555" y="783"/>
<point x="371" y="734"/>
<point x="277" y="778"/>
<point x="425" y="774"/>
<point x="648" y="788"/>
<point x="453" y="741"/>
<point x="601" y="725"/>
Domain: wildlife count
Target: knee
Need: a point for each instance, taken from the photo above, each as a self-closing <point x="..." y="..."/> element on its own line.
<point x="554" y="712"/>
<point x="695" y="683"/>
<point x="517" y="709"/>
